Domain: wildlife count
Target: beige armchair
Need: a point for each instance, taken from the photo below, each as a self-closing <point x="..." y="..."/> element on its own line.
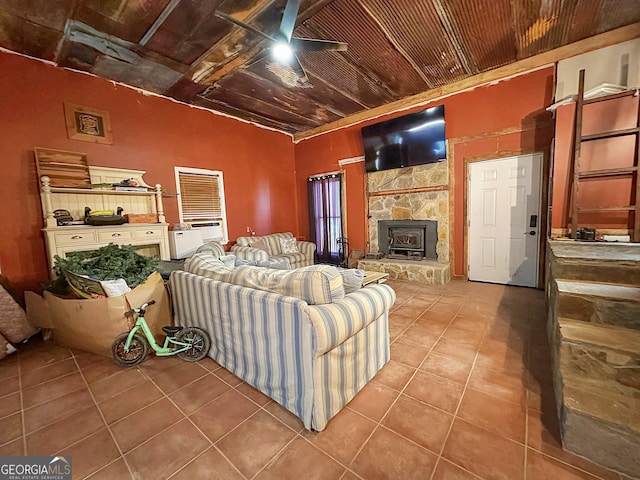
<point x="304" y="256"/>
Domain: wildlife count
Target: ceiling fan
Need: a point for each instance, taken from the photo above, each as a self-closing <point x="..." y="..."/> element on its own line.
<point x="284" y="47"/>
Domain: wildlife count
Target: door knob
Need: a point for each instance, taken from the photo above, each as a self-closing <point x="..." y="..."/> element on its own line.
<point x="532" y="232"/>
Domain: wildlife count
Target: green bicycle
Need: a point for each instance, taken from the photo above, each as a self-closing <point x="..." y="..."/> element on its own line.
<point x="131" y="348"/>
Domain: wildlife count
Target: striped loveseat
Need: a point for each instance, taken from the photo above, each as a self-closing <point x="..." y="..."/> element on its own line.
<point x="304" y="256"/>
<point x="292" y="334"/>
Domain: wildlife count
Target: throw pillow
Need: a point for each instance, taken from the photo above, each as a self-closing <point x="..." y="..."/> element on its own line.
<point x="228" y="260"/>
<point x="277" y="263"/>
<point x="288" y="245"/>
<point x="352" y="279"/>
<point x="241" y="261"/>
<point x="262" y="245"/>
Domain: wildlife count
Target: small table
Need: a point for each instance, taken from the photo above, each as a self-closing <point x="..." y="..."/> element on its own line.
<point x="165" y="267"/>
<point x="374" y="277"/>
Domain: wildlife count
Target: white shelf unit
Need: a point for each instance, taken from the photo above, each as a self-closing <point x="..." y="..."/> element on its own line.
<point x="152" y="238"/>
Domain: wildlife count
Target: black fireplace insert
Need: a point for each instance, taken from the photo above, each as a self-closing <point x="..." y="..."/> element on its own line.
<point x="408" y="239"/>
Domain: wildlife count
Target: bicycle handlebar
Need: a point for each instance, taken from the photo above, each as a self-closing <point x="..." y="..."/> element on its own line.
<point x="139" y="309"/>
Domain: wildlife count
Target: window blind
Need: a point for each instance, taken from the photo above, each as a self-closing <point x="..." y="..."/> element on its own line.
<point x="200" y="196"/>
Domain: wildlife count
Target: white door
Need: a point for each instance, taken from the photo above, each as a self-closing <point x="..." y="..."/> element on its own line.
<point x="504" y="220"/>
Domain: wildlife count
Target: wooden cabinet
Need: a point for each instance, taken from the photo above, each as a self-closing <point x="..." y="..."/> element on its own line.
<point x="150" y="238"/>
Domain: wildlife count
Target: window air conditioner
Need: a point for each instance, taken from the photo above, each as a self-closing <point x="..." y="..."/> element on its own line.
<point x="209" y="231"/>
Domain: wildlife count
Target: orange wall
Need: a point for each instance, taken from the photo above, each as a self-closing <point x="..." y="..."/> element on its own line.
<point x="149" y="133"/>
<point x="264" y="173"/>
<point x="321" y="155"/>
<point x="492" y="121"/>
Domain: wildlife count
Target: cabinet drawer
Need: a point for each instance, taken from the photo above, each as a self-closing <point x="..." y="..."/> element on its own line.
<point x="147" y="232"/>
<point x="75" y="238"/>
<point x="114" y="236"/>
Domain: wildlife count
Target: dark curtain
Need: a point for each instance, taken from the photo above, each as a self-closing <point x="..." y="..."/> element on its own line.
<point x="325" y="217"/>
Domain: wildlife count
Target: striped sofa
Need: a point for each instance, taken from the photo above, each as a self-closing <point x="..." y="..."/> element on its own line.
<point x="292" y="334"/>
<point x="303" y="257"/>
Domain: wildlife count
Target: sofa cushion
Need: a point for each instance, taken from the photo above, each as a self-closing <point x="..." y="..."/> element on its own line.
<point x="213" y="247"/>
<point x="315" y="284"/>
<point x="208" y="265"/>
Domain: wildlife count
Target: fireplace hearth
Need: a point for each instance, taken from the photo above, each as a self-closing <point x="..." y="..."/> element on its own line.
<point x="408" y="239"/>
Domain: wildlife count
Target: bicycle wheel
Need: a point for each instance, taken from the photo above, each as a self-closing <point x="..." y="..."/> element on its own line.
<point x="199" y="341"/>
<point x="138" y="349"/>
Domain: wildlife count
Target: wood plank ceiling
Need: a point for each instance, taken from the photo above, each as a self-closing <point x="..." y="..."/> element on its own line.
<point x="396" y="48"/>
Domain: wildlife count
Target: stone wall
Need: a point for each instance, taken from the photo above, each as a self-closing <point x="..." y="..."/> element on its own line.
<point x="406" y="200"/>
<point x="593" y="305"/>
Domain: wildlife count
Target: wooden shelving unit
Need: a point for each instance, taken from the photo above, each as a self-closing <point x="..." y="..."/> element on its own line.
<point x="99" y="191"/>
<point x="149" y="238"/>
<point x="603" y="174"/>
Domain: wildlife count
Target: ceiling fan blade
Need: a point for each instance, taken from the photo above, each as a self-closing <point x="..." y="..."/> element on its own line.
<point x="246" y="26"/>
<point x="297" y="69"/>
<point x="315" y="45"/>
<point x="289" y="16"/>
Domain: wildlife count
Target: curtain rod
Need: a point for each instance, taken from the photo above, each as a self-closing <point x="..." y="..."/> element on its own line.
<point x="328" y="174"/>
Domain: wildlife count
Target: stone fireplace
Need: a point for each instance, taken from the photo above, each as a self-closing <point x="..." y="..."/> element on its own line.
<point x="414" y="204"/>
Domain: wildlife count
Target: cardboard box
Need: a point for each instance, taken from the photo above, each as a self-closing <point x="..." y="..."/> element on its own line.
<point x="5" y="347"/>
<point x="93" y="324"/>
<point x="13" y="321"/>
<point x="141" y="217"/>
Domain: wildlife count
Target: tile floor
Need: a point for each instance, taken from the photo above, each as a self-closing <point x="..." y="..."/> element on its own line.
<point x="467" y="395"/>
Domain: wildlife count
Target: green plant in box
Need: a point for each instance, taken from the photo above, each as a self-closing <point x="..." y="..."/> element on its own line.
<point x="109" y="263"/>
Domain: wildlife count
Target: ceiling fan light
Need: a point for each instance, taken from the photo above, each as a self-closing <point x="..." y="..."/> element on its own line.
<point x="282" y="52"/>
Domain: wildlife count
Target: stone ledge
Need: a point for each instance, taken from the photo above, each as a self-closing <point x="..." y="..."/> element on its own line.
<point x="613" y="263"/>
<point x="423" y="271"/>
<point x="602" y="290"/>
<point x="597" y="386"/>
<point x="596" y="250"/>
<point x="605" y="337"/>
<point x="601" y="443"/>
<point x="597" y="302"/>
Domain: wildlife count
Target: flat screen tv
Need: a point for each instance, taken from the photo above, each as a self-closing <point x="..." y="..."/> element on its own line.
<point x="406" y="141"/>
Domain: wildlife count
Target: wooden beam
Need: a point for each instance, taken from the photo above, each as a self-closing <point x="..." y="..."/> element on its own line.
<point x="251" y="117"/>
<point x="612" y="37"/>
<point x="272" y="106"/>
<point x="210" y="68"/>
<point x="218" y="73"/>
<point x="211" y="75"/>
<point x="437" y="188"/>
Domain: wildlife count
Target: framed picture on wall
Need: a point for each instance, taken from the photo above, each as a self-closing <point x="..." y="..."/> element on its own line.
<point x="87" y="124"/>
